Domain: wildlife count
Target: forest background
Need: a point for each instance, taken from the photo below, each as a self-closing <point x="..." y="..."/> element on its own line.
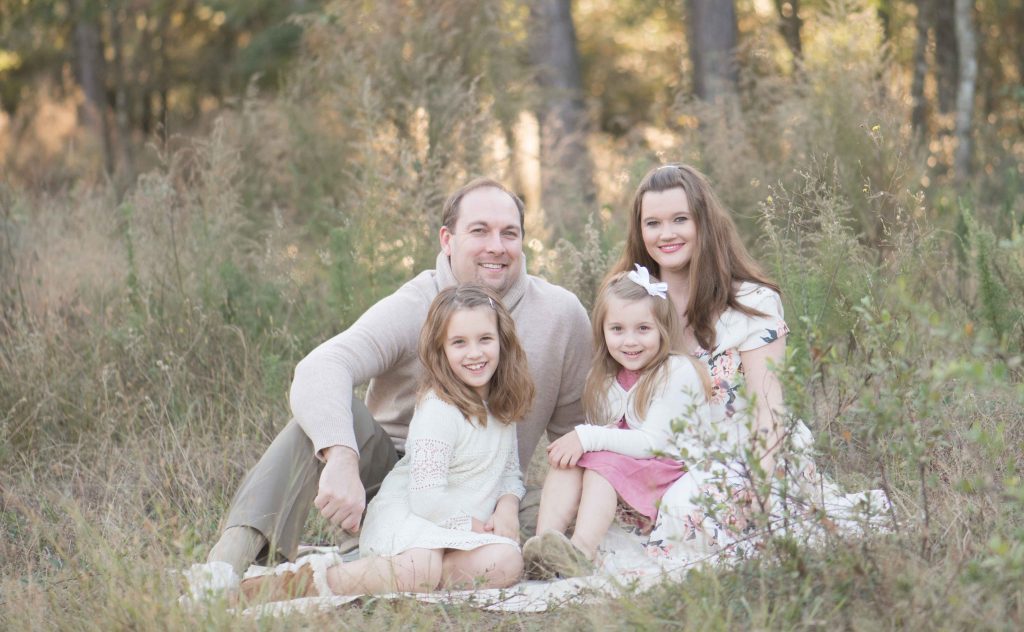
<point x="195" y="193"/>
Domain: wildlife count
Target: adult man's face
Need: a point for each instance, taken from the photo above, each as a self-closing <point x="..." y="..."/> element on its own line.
<point x="487" y="242"/>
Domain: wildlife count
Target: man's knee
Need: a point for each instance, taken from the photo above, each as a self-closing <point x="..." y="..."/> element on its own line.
<point x="289" y="455"/>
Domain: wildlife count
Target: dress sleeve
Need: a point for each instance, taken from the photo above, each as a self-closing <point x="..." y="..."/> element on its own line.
<point x="759" y="331"/>
<point x="433" y="434"/>
<point x="511" y="481"/>
<point x="682" y="397"/>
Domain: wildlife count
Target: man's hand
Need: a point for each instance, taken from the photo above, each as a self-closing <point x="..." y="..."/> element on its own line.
<point x="341" y="497"/>
<point x="505" y="519"/>
<point x="565" y="451"/>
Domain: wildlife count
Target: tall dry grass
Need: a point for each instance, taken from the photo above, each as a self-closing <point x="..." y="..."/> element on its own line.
<point x="148" y="341"/>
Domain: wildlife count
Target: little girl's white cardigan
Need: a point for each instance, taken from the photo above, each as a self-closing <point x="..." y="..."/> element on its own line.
<point x="681" y="400"/>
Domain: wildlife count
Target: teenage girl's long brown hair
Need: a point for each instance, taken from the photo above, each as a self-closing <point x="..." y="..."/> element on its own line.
<point x="511" y="387"/>
<point x="604" y="368"/>
<point x="719" y="262"/>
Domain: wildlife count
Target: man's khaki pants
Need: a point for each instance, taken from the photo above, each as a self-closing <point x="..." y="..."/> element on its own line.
<point x="277" y="493"/>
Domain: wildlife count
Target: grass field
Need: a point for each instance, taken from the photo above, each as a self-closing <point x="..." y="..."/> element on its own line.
<point x="147" y="340"/>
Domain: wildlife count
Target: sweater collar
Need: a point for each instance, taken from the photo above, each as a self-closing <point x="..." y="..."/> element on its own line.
<point x="511" y="297"/>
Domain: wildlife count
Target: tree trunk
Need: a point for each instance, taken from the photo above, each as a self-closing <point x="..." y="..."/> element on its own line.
<point x="789" y="26"/>
<point x="713" y="36"/>
<point x="947" y="65"/>
<point x="89" y="62"/>
<point x="515" y="168"/>
<point x="1019" y="30"/>
<point x="919" y="111"/>
<point x="567" y="185"/>
<point x="121" y="104"/>
<point x="161" y="117"/>
<point x="885" y="17"/>
<point x="967" y="45"/>
<point x="162" y="76"/>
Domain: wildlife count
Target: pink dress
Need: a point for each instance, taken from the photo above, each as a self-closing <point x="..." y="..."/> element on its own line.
<point x="640" y="483"/>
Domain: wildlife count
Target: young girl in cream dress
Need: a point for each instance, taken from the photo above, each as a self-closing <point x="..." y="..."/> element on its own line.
<point x="448" y="513"/>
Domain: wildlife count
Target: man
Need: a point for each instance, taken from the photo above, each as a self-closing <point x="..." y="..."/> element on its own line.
<point x="336" y="451"/>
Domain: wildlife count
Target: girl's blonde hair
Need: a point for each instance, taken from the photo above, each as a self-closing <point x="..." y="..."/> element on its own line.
<point x="604" y="368"/>
<point x="720" y="261"/>
<point x="511" y="387"/>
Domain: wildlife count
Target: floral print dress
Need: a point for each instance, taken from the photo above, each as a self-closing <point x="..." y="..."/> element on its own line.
<point x="706" y="513"/>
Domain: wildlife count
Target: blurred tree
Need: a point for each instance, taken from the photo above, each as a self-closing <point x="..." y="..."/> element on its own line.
<point x="631" y="60"/>
<point x="138" y="62"/>
<point x="947" y="64"/>
<point x="713" y="37"/>
<point x="140" y="70"/>
<point x="884" y="9"/>
<point x="125" y="152"/>
<point x="567" y="181"/>
<point x="91" y="71"/>
<point x="1000" y="27"/>
<point x="967" y="51"/>
<point x="789" y="26"/>
<point x="919" y="109"/>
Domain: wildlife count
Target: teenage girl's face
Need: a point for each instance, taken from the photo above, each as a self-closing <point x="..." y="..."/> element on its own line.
<point x="631" y="332"/>
<point x="472" y="348"/>
<point x="667" y="229"/>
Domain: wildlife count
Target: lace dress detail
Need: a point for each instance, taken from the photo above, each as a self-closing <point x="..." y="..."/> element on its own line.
<point x="454" y="470"/>
<point x="428" y="482"/>
<point x="430" y="459"/>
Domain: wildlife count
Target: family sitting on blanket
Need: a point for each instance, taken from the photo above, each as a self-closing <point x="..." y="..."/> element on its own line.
<point x="683" y="374"/>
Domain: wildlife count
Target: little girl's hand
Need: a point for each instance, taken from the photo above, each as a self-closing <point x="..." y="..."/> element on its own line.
<point x="478" y="526"/>
<point x="565" y="451"/>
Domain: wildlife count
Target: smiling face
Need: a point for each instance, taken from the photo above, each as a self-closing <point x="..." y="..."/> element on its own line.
<point x="472" y="348"/>
<point x="668" y="230"/>
<point x="631" y="332"/>
<point x="486" y="243"/>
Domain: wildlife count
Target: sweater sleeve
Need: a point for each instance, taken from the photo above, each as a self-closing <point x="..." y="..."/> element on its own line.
<point x="321" y="391"/>
<point x="433" y="434"/>
<point x="578" y="351"/>
<point x="654" y="436"/>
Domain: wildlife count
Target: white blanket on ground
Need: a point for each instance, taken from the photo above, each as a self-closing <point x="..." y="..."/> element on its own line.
<point x="626" y="567"/>
<point x="633" y="571"/>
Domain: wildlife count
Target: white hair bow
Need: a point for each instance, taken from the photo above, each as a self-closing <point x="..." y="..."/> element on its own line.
<point x="642" y="277"/>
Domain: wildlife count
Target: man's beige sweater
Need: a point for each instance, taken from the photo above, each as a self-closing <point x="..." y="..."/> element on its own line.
<point x="381" y="348"/>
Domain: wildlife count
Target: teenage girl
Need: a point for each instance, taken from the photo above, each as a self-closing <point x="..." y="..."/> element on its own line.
<point x="637" y="394"/>
<point x="448" y="513"/>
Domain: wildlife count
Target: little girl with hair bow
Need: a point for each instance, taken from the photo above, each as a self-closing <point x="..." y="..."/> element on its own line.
<point x="637" y="387"/>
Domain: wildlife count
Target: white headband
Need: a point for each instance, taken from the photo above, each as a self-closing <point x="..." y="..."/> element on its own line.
<point x="642" y="277"/>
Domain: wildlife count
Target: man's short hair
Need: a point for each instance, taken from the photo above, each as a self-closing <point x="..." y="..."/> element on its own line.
<point x="450" y="215"/>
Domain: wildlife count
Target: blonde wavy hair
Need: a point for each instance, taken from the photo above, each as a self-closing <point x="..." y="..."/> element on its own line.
<point x="604" y="368"/>
<point x="511" y="387"/>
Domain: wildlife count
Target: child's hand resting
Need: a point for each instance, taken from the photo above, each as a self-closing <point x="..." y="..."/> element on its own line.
<point x="505" y="519"/>
<point x="565" y="451"/>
